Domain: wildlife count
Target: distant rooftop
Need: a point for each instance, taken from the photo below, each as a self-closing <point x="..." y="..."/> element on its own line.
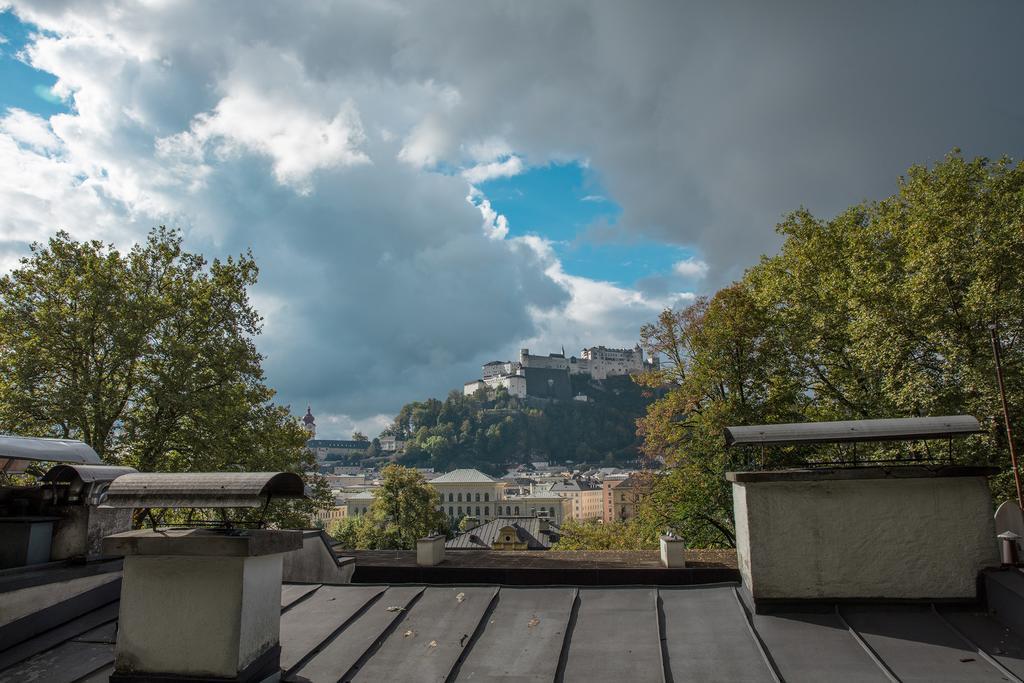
<point x="846" y="431"/>
<point x="337" y="443"/>
<point x="464" y="476"/>
<point x="530" y="530"/>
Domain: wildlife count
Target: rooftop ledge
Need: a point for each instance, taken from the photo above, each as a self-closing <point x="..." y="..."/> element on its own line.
<point x="867" y="472"/>
<point x="202" y="542"/>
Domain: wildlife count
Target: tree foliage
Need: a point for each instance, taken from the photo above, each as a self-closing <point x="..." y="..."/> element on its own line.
<point x="615" y="535"/>
<point x="881" y="311"/>
<point x="405" y="508"/>
<point x="148" y="356"/>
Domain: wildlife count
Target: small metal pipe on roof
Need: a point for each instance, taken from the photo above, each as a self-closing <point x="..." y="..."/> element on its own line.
<point x="849" y="431"/>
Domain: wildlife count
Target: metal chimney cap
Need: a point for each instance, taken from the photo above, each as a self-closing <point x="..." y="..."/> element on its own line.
<point x="203" y="489"/>
<point x="1008" y="536"/>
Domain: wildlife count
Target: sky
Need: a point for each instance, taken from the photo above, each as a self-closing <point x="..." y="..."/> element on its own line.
<point x="430" y="186"/>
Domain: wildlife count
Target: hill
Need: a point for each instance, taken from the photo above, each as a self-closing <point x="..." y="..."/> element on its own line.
<point x="504" y="431"/>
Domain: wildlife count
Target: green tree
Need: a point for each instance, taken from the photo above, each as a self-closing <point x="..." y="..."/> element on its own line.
<point x="615" y="535"/>
<point x="405" y="508"/>
<point x="882" y="311"/>
<point x="148" y="356"/>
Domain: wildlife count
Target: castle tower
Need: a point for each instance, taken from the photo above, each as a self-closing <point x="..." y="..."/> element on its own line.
<point x="308" y="422"/>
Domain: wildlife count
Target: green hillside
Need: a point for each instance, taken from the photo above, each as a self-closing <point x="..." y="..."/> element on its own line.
<point x="493" y="435"/>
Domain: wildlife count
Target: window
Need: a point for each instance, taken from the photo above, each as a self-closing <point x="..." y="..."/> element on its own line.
<point x="451" y="511"/>
<point x="460" y="509"/>
<point x="478" y="497"/>
<point x="450" y="497"/>
<point x="552" y="511"/>
<point x="477" y="510"/>
<point x="460" y="497"/>
<point x="487" y="510"/>
<point x="517" y="510"/>
<point x="487" y="497"/>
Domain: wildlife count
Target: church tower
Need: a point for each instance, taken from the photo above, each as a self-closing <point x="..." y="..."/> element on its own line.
<point x="308" y="423"/>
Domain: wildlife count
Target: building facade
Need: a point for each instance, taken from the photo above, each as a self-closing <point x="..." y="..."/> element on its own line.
<point x="468" y="492"/>
<point x="554" y="507"/>
<point x="586" y="498"/>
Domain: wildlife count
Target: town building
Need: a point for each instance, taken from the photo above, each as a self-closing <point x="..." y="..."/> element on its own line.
<point x="585" y="497"/>
<point x="608" y="485"/>
<point x="624" y="496"/>
<point x="359" y="504"/>
<point x="391" y="444"/>
<point x="468" y="492"/>
<point x="332" y="449"/>
<point x="555" y="507"/>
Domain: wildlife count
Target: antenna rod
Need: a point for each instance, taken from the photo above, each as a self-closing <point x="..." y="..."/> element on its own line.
<point x="1006" y="411"/>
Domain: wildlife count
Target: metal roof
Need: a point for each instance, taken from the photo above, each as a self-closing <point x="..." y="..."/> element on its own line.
<point x="527" y="529"/>
<point x="86" y="473"/>
<point x="16" y="451"/>
<point x="498" y="633"/>
<point x="202" y="489"/>
<point x="845" y="431"/>
<point x="464" y="476"/>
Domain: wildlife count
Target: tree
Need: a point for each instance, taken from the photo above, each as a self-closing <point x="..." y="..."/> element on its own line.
<point x="882" y="311"/>
<point x="147" y="356"/>
<point x="592" y="535"/>
<point x="405" y="508"/>
<point x="359" y="436"/>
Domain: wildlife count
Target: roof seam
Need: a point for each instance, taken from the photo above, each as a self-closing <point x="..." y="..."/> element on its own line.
<point x="570" y="626"/>
<point x="481" y="626"/>
<point x="769" y="662"/>
<point x="977" y="648"/>
<point x="382" y="638"/>
<point x="870" y="651"/>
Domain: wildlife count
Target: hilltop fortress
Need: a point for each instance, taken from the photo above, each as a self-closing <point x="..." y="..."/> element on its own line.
<point x="548" y="376"/>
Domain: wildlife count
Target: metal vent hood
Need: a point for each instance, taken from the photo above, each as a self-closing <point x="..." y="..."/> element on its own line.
<point x="203" y="489"/>
<point x="846" y="431"/>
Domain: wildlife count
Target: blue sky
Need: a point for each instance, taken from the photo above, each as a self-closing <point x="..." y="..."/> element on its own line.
<point x="23" y="86"/>
<point x="565" y="203"/>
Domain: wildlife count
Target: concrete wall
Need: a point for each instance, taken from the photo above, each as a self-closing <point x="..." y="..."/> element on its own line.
<point x="864" y="538"/>
<point x="316" y="562"/>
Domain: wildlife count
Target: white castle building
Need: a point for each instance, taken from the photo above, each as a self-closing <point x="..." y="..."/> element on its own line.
<point x="600" y="362"/>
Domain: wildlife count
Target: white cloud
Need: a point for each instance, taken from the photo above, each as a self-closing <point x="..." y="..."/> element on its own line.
<point x="29" y="129"/>
<point x="594" y="198"/>
<point x="691" y="268"/>
<point x="481" y="173"/>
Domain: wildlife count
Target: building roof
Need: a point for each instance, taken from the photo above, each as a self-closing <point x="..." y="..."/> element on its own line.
<point x="846" y="431"/>
<point x="572" y="485"/>
<point x="528" y="530"/>
<point x="464" y="476"/>
<point x="338" y="443"/>
<point x="502" y="633"/>
<point x="362" y="495"/>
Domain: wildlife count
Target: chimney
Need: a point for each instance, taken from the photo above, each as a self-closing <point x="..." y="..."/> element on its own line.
<point x="200" y="603"/>
<point x="913" y="532"/>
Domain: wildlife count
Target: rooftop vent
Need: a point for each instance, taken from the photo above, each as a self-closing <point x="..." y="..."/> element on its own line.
<point x="201" y="602"/>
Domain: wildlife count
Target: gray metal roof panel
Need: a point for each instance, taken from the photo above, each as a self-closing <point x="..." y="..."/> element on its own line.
<point x="357" y="639"/>
<point x="815" y="647"/>
<point x="313" y="621"/>
<point x="615" y="637"/>
<point x="917" y="645"/>
<point x="708" y="638"/>
<point x="890" y="429"/>
<point x="430" y="638"/>
<point x="523" y="637"/>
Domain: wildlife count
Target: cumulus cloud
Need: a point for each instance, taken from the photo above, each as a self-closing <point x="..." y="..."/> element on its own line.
<point x="691" y="267"/>
<point x="481" y="173"/>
